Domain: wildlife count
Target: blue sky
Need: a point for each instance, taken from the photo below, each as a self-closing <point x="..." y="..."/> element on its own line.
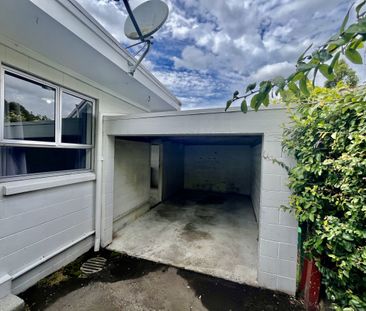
<point x="209" y="48"/>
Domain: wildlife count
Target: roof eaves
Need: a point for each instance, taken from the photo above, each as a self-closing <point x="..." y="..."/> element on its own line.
<point x="83" y="16"/>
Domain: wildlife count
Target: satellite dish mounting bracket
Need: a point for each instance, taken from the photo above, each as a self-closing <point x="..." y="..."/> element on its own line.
<point x="133" y="67"/>
<point x="158" y="11"/>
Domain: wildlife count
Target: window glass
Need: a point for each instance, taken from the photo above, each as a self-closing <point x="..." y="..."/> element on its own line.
<point x="29" y="109"/>
<point x="16" y="161"/>
<point x="77" y="118"/>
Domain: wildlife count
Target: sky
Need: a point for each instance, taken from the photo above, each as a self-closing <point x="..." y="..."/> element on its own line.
<point x="207" y="49"/>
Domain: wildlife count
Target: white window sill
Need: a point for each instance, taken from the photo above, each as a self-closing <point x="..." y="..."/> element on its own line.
<point x="16" y="187"/>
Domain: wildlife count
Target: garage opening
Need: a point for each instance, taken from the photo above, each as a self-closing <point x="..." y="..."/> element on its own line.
<point x="190" y="201"/>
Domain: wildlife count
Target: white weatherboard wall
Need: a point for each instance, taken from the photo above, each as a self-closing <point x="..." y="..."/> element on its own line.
<point x="131" y="178"/>
<point x="217" y="168"/>
<point x="277" y="229"/>
<point x="36" y="224"/>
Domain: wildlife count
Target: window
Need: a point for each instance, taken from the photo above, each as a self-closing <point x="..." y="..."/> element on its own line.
<point x="43" y="127"/>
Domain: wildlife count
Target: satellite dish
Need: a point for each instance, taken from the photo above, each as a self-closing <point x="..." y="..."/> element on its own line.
<point x="149" y="16"/>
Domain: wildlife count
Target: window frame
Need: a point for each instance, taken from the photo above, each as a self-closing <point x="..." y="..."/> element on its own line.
<point x="58" y="123"/>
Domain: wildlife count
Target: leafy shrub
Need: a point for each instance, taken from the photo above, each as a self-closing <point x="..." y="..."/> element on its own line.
<point x="327" y="136"/>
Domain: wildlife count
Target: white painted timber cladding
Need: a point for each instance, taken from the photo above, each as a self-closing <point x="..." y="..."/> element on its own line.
<point x="277" y="229"/>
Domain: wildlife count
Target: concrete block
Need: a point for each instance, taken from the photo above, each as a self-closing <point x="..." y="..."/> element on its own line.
<point x="273" y="149"/>
<point x="284" y="183"/>
<point x="11" y="303"/>
<point x="274" y="198"/>
<point x="270" y="215"/>
<point x="268" y="264"/>
<point x="279" y="233"/>
<point x="286" y="285"/>
<point x="273" y="138"/>
<point x="287" y="218"/>
<point x="268" y="248"/>
<point x="272" y="182"/>
<point x="5" y="285"/>
<point x="272" y="168"/>
<point x="287" y="268"/>
<point x="287" y="251"/>
<point x="267" y="280"/>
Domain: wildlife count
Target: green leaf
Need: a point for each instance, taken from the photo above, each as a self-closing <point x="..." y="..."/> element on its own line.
<point x="228" y="104"/>
<point x="301" y="57"/>
<point x="265" y="88"/>
<point x="266" y="101"/>
<point x="255" y="102"/>
<point x="303" y="86"/>
<point x="244" y="106"/>
<point x="305" y="66"/>
<point x="334" y="61"/>
<point x="345" y="21"/>
<point x="251" y="87"/>
<point x="326" y="71"/>
<point x="293" y="88"/>
<point x="321" y="56"/>
<point x="357" y="43"/>
<point x="280" y="82"/>
<point x="359" y="28"/>
<point x="353" y="56"/>
<point x="359" y="7"/>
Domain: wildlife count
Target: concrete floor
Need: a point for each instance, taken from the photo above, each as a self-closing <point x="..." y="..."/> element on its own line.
<point x="214" y="234"/>
<point x="132" y="284"/>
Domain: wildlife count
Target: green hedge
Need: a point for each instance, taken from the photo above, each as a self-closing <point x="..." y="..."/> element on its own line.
<point x="327" y="136"/>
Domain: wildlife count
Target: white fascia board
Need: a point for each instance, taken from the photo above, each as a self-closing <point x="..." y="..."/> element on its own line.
<point x="182" y="113"/>
<point x="74" y="17"/>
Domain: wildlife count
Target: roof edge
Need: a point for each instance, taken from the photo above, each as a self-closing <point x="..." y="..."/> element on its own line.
<point x="144" y="75"/>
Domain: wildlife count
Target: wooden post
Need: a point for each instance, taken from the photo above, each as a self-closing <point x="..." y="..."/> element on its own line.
<point x="310" y="285"/>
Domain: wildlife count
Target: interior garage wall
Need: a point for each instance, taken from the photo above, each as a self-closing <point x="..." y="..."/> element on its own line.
<point x="173" y="169"/>
<point x="131" y="177"/>
<point x="255" y="190"/>
<point x="219" y="168"/>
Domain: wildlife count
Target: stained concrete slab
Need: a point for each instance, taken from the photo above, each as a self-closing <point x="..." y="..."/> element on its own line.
<point x="11" y="303"/>
<point x="128" y="283"/>
<point x="210" y="233"/>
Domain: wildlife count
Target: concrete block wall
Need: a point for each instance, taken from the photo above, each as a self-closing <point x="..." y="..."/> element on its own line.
<point x="173" y="169"/>
<point x="225" y="168"/>
<point x="255" y="190"/>
<point x="36" y="224"/>
<point x="131" y="177"/>
<point x="278" y="229"/>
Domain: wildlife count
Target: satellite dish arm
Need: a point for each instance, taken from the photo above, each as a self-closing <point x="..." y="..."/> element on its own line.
<point x="134" y="67"/>
<point x="129" y="11"/>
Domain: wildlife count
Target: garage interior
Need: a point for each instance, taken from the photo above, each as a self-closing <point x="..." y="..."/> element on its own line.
<point x="189" y="201"/>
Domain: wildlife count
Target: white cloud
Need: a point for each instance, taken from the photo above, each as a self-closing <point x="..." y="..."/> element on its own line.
<point x="271" y="71"/>
<point x="226" y="44"/>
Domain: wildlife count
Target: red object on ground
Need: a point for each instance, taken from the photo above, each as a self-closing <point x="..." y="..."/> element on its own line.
<point x="310" y="285"/>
